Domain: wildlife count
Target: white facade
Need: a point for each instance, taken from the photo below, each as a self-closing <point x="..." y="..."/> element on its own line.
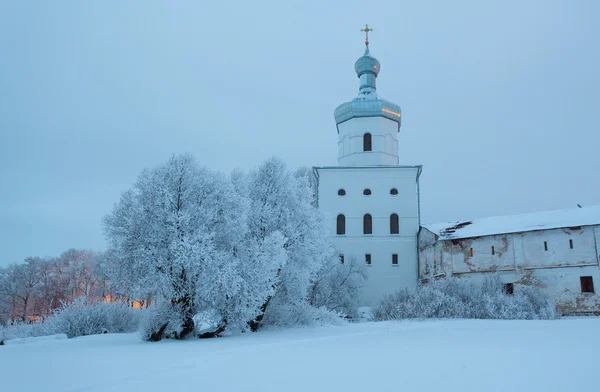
<point x="555" y="259"/>
<point x="369" y="182"/>
<point x="383" y="276"/>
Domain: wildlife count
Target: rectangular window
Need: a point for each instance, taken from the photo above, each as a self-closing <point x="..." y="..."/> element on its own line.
<point x="471" y="252"/>
<point x="587" y="284"/>
<point x="493" y="251"/>
<point x="394" y="259"/>
<point x="545" y="246"/>
<point x="341" y="259"/>
<point x="368" y="259"/>
<point x="508" y="288"/>
<point x="571" y="244"/>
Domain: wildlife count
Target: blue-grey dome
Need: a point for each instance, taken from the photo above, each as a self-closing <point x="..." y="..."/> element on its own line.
<point x="367" y="63"/>
<point x="367" y="103"/>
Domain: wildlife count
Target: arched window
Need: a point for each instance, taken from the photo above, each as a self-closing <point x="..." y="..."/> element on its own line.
<point x="341" y="224"/>
<point x="393" y="191"/>
<point x="394" y="224"/>
<point x="342" y="192"/>
<point x="367" y="224"/>
<point x="367" y="142"/>
<point x="367" y="192"/>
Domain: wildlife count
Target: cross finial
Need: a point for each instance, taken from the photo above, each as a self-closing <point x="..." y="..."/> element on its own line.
<point x="366" y="30"/>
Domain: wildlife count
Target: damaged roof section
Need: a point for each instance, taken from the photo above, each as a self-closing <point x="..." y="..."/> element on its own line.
<point x="543" y="220"/>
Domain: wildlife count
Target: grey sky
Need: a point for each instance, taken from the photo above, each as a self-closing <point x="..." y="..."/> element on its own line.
<point x="500" y="100"/>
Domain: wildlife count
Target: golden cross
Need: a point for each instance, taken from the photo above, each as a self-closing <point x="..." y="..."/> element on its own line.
<point x="367" y="30"/>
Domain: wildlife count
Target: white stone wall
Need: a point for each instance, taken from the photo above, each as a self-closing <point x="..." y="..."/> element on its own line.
<point x="384" y="133"/>
<point x="522" y="258"/>
<point x="383" y="276"/>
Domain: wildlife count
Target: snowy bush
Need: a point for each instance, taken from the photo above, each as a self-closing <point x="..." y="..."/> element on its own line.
<point x="79" y="319"/>
<point x="300" y="314"/>
<point x="82" y="318"/>
<point x="337" y="286"/>
<point x="21" y="330"/>
<point x="458" y="298"/>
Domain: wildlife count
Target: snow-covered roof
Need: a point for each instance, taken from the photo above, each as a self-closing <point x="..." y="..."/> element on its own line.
<point x="542" y="220"/>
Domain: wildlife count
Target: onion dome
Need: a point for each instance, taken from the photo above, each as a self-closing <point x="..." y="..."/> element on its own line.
<point x="367" y="103"/>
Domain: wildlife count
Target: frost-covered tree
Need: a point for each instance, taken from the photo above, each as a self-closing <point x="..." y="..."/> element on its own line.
<point x="337" y="285"/>
<point x="282" y="201"/>
<point x="182" y="235"/>
<point x="164" y="230"/>
<point x="20" y="285"/>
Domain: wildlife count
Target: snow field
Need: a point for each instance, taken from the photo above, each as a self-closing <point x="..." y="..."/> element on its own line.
<point x="442" y="355"/>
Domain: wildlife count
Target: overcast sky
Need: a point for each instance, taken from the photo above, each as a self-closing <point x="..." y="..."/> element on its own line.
<point x="500" y="100"/>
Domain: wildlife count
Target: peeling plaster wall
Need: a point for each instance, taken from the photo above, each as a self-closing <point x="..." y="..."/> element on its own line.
<point x="522" y="259"/>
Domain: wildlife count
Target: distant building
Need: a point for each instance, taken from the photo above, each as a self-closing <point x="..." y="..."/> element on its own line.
<point x="371" y="202"/>
<point x="557" y="251"/>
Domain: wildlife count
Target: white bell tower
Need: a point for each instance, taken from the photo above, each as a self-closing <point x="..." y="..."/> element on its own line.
<point x="371" y="203"/>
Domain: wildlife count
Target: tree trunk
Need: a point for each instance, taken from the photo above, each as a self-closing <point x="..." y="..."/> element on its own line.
<point x="255" y="324"/>
<point x="157" y="335"/>
<point x="25" y="301"/>
<point x="216" y="333"/>
<point x="188" y="316"/>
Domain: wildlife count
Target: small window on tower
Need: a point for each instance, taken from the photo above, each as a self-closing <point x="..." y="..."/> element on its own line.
<point x="393" y="191"/>
<point x="471" y="252"/>
<point x="367" y="224"/>
<point x="368" y="259"/>
<point x="493" y="251"/>
<point x="394" y="259"/>
<point x="367" y="192"/>
<point x="341" y="259"/>
<point x="508" y="288"/>
<point x="587" y="284"/>
<point x="341" y="224"/>
<point x="342" y="192"/>
<point x="546" y="245"/>
<point x="367" y="142"/>
<point x="394" y="224"/>
<point x="571" y="244"/>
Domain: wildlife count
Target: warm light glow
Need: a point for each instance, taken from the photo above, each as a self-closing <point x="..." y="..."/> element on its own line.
<point x="390" y="112"/>
<point x="136" y="303"/>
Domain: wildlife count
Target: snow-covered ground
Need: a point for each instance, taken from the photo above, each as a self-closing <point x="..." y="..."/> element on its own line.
<point x="461" y="355"/>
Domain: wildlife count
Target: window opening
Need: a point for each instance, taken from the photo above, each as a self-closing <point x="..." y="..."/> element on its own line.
<point x="587" y="284"/>
<point x="508" y="288"/>
<point x="394" y="224"/>
<point x="341" y="224"/>
<point x="367" y="139"/>
<point x="367" y="224"/>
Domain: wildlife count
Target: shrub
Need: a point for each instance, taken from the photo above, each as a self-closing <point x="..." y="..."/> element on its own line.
<point x="460" y="298"/>
<point x="79" y="319"/>
<point x="82" y="318"/>
<point x="300" y="314"/>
